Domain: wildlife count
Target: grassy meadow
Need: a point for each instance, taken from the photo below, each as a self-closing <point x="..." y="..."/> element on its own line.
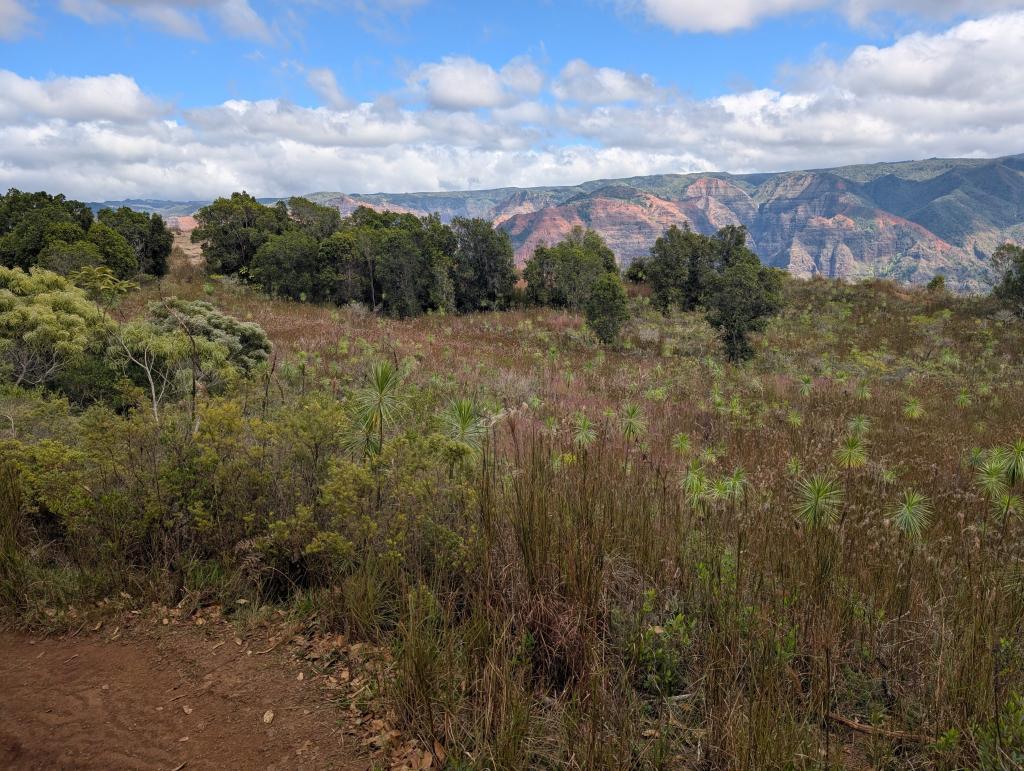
<point x="572" y="555"/>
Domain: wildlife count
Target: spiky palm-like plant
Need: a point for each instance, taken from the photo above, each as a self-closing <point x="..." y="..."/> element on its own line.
<point x="858" y="425"/>
<point x="851" y="454"/>
<point x="681" y="444"/>
<point x="963" y="399"/>
<point x="818" y="500"/>
<point x="462" y="422"/>
<point x="696" y="487"/>
<point x="912" y="514"/>
<point x="1014" y="459"/>
<point x="991" y="477"/>
<point x="377" y="405"/>
<point x="634" y="424"/>
<point x="583" y="432"/>
<point x="863" y="393"/>
<point x="806" y="385"/>
<point x="912" y="409"/>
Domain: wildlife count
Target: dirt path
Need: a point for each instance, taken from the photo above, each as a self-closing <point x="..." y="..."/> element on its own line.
<point x="168" y="700"/>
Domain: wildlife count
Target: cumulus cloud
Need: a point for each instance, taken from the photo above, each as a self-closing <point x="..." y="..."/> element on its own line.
<point x="956" y="93"/>
<point x="463" y="83"/>
<point x="14" y="19"/>
<point x="584" y="83"/>
<point x="728" y="15"/>
<point x="178" y="17"/>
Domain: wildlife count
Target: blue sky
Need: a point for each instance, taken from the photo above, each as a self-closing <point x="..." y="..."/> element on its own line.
<point x="190" y="98"/>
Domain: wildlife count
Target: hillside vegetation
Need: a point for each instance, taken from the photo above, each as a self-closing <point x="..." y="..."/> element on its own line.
<point x="563" y="553"/>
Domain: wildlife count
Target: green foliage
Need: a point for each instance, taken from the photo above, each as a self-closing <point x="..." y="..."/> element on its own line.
<point x="29" y="222"/>
<point x="483" y="266"/>
<point x="316" y="221"/>
<point x="233" y="229"/>
<point x="1008" y="265"/>
<point x="66" y="258"/>
<point x="146" y="234"/>
<point x="818" y="498"/>
<point x="606" y="308"/>
<point x="719" y="273"/>
<point x="913" y="514"/>
<point x="115" y="253"/>
<point x="564" y="275"/>
<point x="290" y="265"/>
<point x="47" y="325"/>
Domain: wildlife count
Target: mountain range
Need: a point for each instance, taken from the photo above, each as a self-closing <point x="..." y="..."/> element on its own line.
<point x="907" y="221"/>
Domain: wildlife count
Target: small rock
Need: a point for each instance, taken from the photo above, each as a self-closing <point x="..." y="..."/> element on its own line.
<point x="268" y="717"/>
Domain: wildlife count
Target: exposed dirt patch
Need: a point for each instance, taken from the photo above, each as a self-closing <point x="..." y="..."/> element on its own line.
<point x="166" y="699"/>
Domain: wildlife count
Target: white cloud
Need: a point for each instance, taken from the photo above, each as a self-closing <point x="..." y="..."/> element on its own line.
<point x="463" y="83"/>
<point x="14" y="19"/>
<point x="325" y="85"/>
<point x="728" y="15"/>
<point x="956" y="93"/>
<point x="178" y="17"/>
<point x="581" y="82"/>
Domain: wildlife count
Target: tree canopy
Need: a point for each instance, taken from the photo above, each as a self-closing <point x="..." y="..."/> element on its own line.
<point x="563" y="275"/>
<point x="719" y="273"/>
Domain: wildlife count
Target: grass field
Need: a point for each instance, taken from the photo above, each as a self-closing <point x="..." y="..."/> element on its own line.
<point x="628" y="557"/>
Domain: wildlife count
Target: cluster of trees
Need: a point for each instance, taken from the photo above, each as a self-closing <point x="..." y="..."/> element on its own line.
<point x="718" y="274"/>
<point x="55" y="334"/>
<point x="579" y="274"/>
<point x="61" y="235"/>
<point x="402" y="264"/>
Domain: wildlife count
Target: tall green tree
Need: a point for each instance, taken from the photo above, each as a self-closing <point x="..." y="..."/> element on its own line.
<point x="740" y="301"/>
<point x="290" y="265"/>
<point x="484" y="271"/>
<point x="563" y="275"/>
<point x="146" y="234"/>
<point x="233" y="229"/>
<point x="314" y="220"/>
<point x="30" y="221"/>
<point x="115" y="252"/>
<point x="606" y="308"/>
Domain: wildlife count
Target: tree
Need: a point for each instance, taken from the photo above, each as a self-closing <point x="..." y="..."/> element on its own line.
<point x="1008" y="263"/>
<point x="606" y="309"/>
<point x="564" y="275"/>
<point x="146" y="234"/>
<point x="183" y="346"/>
<point x="680" y="264"/>
<point x="47" y="325"/>
<point x="740" y="301"/>
<point x="233" y="229"/>
<point x="29" y="221"/>
<point x="115" y="252"/>
<point x="484" y="269"/>
<point x="290" y="265"/>
<point x="66" y="258"/>
<point x="313" y="219"/>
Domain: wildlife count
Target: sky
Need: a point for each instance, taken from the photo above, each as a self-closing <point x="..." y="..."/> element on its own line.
<point x="191" y="99"/>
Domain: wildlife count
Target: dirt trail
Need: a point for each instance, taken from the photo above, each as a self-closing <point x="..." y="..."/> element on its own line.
<point x="173" y="700"/>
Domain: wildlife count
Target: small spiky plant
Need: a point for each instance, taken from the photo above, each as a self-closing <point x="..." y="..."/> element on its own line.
<point x="859" y="425"/>
<point x="851" y="454"/>
<point x="912" y="409"/>
<point x="912" y="514"/>
<point x="583" y="432"/>
<point x="634" y="424"/>
<point x="462" y="422"/>
<point x="681" y="444"/>
<point x="818" y="500"/>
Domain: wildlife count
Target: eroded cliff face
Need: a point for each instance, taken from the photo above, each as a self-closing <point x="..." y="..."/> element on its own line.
<point x="902" y="221"/>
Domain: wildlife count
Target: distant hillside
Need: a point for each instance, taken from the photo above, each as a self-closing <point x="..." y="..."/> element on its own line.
<point x="906" y="221"/>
